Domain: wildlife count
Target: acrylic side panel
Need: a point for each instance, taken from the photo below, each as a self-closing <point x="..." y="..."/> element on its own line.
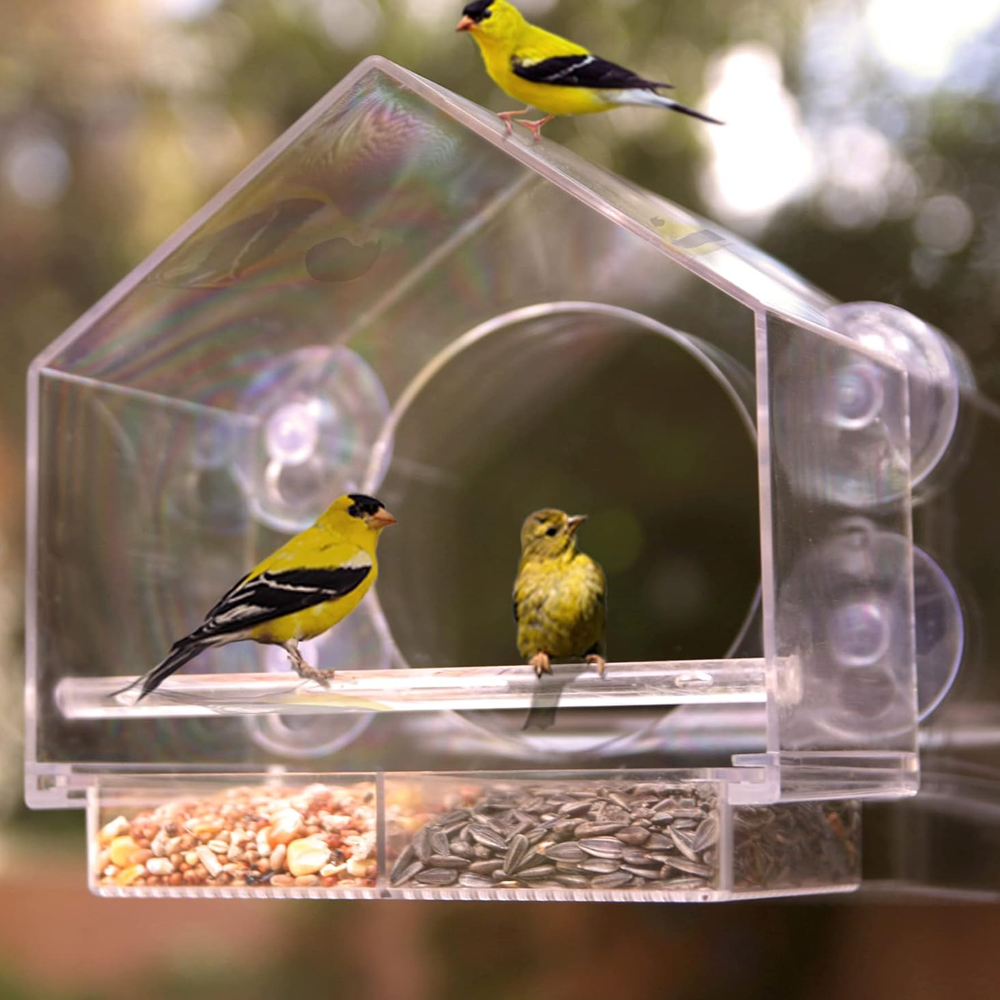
<point x="838" y="572"/>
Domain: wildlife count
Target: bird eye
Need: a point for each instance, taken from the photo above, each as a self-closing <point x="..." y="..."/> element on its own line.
<point x="551" y="531"/>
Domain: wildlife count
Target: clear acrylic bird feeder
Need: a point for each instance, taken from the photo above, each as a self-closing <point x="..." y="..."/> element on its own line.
<point x="396" y="298"/>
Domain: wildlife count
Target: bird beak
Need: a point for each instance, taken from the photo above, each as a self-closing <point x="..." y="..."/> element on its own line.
<point x="466" y="24"/>
<point x="381" y="519"/>
<point x="574" y="522"/>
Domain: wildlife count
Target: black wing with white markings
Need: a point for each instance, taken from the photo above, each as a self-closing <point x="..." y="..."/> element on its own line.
<point x="582" y="71"/>
<point x="274" y="595"/>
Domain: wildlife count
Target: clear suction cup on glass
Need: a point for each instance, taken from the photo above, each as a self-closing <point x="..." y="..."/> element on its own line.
<point x="850" y="592"/>
<point x="937" y="373"/>
<point x="320" y="410"/>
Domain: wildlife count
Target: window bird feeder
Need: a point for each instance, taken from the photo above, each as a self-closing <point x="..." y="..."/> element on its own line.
<point x="398" y="299"/>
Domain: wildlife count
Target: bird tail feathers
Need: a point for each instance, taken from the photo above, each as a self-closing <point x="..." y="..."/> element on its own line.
<point x="183" y="650"/>
<point x="652" y="99"/>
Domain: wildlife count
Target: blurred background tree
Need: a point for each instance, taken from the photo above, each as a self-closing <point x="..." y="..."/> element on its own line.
<point x="861" y="149"/>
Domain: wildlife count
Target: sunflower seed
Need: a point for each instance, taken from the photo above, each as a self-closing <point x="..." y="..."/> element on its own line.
<point x="635" y="856"/>
<point x="564" y="827"/>
<point x="642" y="872"/>
<point x="573" y="808"/>
<point x="600" y="866"/>
<point x="406" y="857"/>
<point x="573" y="881"/>
<point x="685" y="883"/>
<point x="633" y="835"/>
<point x="658" y="842"/>
<point x="603" y="847"/>
<point x="473" y="881"/>
<point x="538" y="871"/>
<point x="487" y="837"/>
<point x="462" y="850"/>
<point x="613" y="880"/>
<point x="486" y="867"/>
<point x="455" y="816"/>
<point x="706" y="834"/>
<point x="536" y="835"/>
<point x="683" y="845"/>
<point x="535" y="805"/>
<point x="566" y="852"/>
<point x="481" y="851"/>
<point x="439" y="842"/>
<point x="597" y="829"/>
<point x="422" y="843"/>
<point x="691" y="867"/>
<point x="403" y="875"/>
<point x="437" y="876"/>
<point x="687" y="811"/>
<point x="571" y="866"/>
<point x="515" y="853"/>
<point x="663" y="817"/>
<point x="447" y="861"/>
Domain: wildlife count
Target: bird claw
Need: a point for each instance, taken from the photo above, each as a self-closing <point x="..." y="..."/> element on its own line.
<point x="303" y="669"/>
<point x="315" y="674"/>
<point x="598" y="661"/>
<point x="536" y="127"/>
<point x="541" y="663"/>
<point x="505" y="117"/>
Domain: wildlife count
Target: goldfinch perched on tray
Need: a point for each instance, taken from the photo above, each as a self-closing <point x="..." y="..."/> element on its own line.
<point x="553" y="74"/>
<point x="313" y="581"/>
<point x="559" y="598"/>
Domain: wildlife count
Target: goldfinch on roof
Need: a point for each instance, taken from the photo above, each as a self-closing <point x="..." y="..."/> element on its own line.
<point x="551" y="73"/>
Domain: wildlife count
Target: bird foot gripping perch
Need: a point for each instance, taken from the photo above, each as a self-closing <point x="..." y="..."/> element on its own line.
<point x="304" y="669"/>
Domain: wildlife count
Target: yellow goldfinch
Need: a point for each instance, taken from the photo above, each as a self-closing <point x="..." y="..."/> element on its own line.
<point x="553" y="74"/>
<point x="559" y="596"/>
<point x="298" y="592"/>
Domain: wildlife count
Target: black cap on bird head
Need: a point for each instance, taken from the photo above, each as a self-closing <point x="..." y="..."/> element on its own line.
<point x="366" y="508"/>
<point x="474" y="13"/>
<point x="361" y="505"/>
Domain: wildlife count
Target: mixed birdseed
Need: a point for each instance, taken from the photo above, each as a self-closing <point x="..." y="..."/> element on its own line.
<point x="794" y="844"/>
<point x="256" y="837"/>
<point x="648" y="835"/>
